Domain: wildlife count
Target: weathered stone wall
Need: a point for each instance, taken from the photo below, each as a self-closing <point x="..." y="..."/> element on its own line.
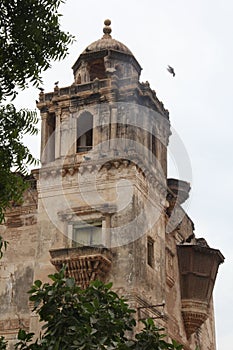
<point x="18" y="265"/>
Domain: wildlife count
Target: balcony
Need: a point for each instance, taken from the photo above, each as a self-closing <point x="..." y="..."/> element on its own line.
<point x="84" y="264"/>
<point x="198" y="267"/>
<point x="180" y="189"/>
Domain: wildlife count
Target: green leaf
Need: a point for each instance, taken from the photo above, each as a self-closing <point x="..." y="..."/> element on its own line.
<point x="38" y="283"/>
<point x="70" y="282"/>
<point x="22" y="335"/>
<point x="3" y="343"/>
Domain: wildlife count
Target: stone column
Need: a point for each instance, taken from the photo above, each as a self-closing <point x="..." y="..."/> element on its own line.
<point x="44" y="137"/>
<point x="64" y="127"/>
<point x="72" y="134"/>
<point x="96" y="129"/>
<point x="58" y="134"/>
<point x="73" y="114"/>
<point x="107" y="231"/>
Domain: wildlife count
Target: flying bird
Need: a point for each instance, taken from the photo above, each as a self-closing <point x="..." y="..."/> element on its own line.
<point x="41" y="89"/>
<point x="56" y="83"/>
<point x="171" y="70"/>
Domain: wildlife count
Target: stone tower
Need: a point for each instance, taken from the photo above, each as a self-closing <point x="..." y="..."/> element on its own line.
<point x="104" y="206"/>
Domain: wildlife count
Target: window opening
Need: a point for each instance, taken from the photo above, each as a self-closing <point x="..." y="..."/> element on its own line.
<point x="150" y="251"/>
<point x="97" y="70"/>
<point x="153" y="146"/>
<point x="87" y="234"/>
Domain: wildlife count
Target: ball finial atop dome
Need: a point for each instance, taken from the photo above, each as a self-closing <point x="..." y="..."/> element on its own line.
<point x="107" y="42"/>
<point x="107" y="29"/>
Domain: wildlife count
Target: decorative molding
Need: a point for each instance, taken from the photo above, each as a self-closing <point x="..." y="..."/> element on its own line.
<point x="170" y="272"/>
<point x="92" y="166"/>
<point x="12" y="326"/>
<point x="70" y="214"/>
<point x="194" y="313"/>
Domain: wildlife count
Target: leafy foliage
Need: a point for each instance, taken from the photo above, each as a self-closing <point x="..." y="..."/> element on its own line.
<point x="94" y="318"/>
<point x="3" y="343"/>
<point x="76" y="318"/>
<point x="13" y="154"/>
<point x="152" y="338"/>
<point x="30" y="37"/>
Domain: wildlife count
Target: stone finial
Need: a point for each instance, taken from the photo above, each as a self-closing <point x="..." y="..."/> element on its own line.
<point x="107" y="29"/>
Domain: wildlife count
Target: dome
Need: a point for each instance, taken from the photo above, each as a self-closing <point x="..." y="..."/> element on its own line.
<point x="107" y="42"/>
<point x="104" y="58"/>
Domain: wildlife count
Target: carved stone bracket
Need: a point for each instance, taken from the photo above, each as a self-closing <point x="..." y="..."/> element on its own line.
<point x="194" y="313"/>
<point x="84" y="264"/>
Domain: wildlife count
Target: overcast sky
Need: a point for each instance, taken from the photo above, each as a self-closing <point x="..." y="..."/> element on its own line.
<point x="195" y="37"/>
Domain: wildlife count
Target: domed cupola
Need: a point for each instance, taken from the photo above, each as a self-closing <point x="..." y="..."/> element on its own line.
<point x="105" y="57"/>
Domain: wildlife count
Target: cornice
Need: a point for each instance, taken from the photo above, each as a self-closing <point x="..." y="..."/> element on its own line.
<point x="152" y="176"/>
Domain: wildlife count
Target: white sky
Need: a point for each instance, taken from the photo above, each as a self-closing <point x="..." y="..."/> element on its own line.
<point x="195" y="37"/>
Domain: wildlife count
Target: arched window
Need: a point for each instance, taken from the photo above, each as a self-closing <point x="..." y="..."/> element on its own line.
<point x="84" y="132"/>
